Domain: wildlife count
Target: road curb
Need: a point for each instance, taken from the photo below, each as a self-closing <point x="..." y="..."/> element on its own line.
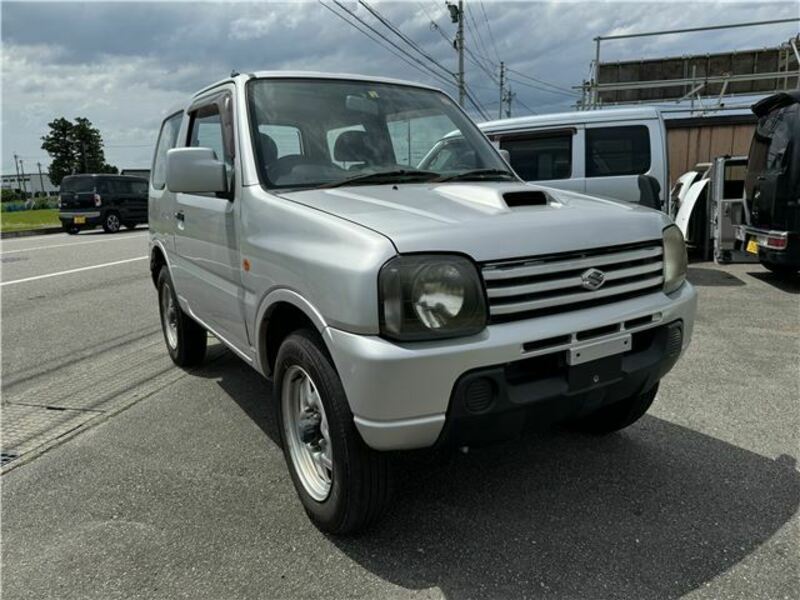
<point x="28" y="232"/>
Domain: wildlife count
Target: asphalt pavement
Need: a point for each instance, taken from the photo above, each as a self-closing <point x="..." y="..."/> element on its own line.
<point x="176" y="487"/>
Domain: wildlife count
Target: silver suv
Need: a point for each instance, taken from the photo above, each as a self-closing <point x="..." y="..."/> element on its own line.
<point x="396" y="307"/>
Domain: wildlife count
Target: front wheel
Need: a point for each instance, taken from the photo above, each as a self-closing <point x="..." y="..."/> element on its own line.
<point x="111" y="222"/>
<point x="343" y="484"/>
<point x="619" y="415"/>
<point x="186" y="339"/>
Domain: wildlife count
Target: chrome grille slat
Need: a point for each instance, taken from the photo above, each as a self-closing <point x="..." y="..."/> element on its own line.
<point x="570" y="282"/>
<point x="504" y="309"/>
<point x="523" y="288"/>
<point x="501" y="271"/>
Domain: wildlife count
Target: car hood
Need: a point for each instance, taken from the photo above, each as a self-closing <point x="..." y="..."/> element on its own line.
<point x="474" y="218"/>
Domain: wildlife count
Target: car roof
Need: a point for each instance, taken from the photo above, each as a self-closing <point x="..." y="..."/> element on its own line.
<point x="569" y="118"/>
<point x="312" y="75"/>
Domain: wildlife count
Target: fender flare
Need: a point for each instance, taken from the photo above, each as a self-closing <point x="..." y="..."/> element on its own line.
<point x="265" y="307"/>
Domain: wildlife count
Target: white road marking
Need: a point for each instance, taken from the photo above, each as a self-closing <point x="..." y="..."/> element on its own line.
<point x="110" y="264"/>
<point x="114" y="239"/>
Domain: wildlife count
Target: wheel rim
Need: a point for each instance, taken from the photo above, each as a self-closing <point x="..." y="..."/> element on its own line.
<point x="305" y="426"/>
<point x="112" y="221"/>
<point x="169" y="316"/>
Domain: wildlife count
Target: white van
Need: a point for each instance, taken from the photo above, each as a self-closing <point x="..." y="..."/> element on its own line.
<point x="597" y="152"/>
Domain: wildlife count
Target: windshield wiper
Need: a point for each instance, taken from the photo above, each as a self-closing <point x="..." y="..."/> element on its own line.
<point x="477" y="174"/>
<point x="392" y="176"/>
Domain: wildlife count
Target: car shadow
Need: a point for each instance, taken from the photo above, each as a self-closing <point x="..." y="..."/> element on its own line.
<point x="655" y="511"/>
<point x="784" y="284"/>
<point x="701" y="276"/>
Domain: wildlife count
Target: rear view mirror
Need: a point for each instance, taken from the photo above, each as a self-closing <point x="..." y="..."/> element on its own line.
<point x="361" y="104"/>
<point x="195" y="171"/>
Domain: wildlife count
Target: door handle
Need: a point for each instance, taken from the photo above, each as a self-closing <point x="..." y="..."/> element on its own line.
<point x="180" y="216"/>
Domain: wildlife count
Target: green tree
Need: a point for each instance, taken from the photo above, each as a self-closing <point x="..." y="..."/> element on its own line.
<point x="74" y="148"/>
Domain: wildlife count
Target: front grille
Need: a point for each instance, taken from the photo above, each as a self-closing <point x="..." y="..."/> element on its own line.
<point x="552" y="284"/>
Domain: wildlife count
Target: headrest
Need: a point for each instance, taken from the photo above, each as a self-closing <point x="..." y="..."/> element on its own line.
<point x="354" y="146"/>
<point x="269" y="149"/>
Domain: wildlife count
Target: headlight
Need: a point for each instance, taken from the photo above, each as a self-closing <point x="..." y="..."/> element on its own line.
<point x="430" y="296"/>
<point x="675" y="260"/>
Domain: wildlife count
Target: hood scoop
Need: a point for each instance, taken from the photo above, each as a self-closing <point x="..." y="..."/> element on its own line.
<point x="493" y="200"/>
<point x="525" y="198"/>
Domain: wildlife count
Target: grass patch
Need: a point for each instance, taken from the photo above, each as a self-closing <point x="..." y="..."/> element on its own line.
<point x="29" y="219"/>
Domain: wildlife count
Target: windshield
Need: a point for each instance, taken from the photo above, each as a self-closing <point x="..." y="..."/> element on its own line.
<point x="317" y="132"/>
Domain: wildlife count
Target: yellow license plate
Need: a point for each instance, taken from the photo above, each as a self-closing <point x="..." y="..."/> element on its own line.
<point x="752" y="246"/>
<point x="79" y="220"/>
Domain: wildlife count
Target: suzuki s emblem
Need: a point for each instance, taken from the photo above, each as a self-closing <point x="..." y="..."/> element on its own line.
<point x="593" y="279"/>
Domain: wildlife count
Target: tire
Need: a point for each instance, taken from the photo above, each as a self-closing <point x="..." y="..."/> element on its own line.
<point x="111" y="222"/>
<point x="783" y="271"/>
<point x="619" y="415"/>
<point x="186" y="340"/>
<point x="70" y="228"/>
<point x="358" y="477"/>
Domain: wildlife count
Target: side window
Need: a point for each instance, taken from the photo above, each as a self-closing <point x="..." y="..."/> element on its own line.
<point x="139" y="188"/>
<point x="542" y="157"/>
<point x="288" y="140"/>
<point x="166" y="140"/>
<point x="206" y="131"/>
<point x="617" y="151"/>
<point x="413" y="137"/>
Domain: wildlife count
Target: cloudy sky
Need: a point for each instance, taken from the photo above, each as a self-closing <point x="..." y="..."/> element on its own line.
<point x="122" y="65"/>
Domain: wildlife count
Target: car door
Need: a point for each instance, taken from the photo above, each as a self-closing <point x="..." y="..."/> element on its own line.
<point x="552" y="158"/>
<point x="208" y="273"/>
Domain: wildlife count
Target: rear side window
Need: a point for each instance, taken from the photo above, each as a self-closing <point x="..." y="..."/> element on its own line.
<point x="542" y="157"/>
<point x="617" y="151"/>
<point x="166" y="141"/>
<point x="77" y="184"/>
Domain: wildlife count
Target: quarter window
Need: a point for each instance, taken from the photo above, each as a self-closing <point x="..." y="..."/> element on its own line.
<point x="542" y="157"/>
<point x="617" y="151"/>
<point x="166" y="141"/>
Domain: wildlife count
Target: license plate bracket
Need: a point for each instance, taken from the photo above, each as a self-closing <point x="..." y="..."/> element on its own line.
<point x="596" y="372"/>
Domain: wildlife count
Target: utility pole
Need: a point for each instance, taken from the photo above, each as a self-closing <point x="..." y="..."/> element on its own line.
<point x="502" y="89"/>
<point x="22" y="172"/>
<point x="41" y="179"/>
<point x="509" y="97"/>
<point x="457" y="17"/>
<point x="16" y="168"/>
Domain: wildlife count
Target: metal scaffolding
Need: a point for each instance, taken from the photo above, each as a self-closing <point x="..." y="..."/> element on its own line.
<point x="692" y="78"/>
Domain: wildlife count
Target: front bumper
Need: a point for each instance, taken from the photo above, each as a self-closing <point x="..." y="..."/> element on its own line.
<point x="400" y="393"/>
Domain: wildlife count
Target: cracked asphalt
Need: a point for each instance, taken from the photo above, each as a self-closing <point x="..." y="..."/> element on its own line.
<point x="178" y="489"/>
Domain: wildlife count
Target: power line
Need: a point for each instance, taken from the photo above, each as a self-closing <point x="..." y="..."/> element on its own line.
<point x="542" y="81"/>
<point x="477" y="35"/>
<point x="526" y="107"/>
<point x="489" y="28"/>
<point x="388" y="24"/>
<point x="543" y="89"/>
<point x="403" y="55"/>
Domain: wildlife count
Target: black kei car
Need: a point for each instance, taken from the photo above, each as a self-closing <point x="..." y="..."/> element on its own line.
<point x="113" y="201"/>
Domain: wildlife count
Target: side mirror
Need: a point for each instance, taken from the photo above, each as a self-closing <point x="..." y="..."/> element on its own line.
<point x="505" y="154"/>
<point x="195" y="171"/>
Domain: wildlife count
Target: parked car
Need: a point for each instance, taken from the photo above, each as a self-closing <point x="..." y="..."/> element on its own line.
<point x="397" y="308"/>
<point x="772" y="185"/>
<point x="598" y="152"/>
<point x="112" y="201"/>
